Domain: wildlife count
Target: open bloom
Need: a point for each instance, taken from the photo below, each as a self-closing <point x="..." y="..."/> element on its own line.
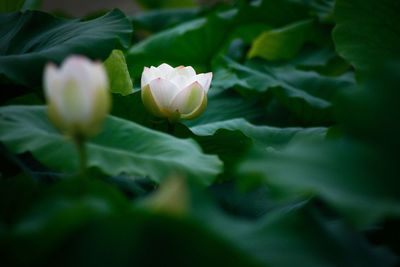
<point x="175" y="93"/>
<point x="77" y="95"/>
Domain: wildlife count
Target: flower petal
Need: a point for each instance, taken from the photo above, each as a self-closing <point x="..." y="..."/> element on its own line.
<point x="79" y="85"/>
<point x="198" y="111"/>
<point x="189" y="99"/>
<point x="163" y="92"/>
<point x="52" y="82"/>
<point x="150" y="103"/>
<point x="99" y="77"/>
<point x="183" y="76"/>
<point x="188" y="71"/>
<point x="147" y="76"/>
<point x="205" y="80"/>
<point x="165" y="70"/>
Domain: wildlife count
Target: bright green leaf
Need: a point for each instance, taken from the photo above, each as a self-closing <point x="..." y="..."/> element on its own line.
<point x="283" y="43"/>
<point x="122" y="147"/>
<point x="118" y="75"/>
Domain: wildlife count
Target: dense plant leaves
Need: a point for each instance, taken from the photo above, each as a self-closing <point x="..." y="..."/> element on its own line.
<point x="367" y="32"/>
<point x="32" y="38"/>
<point x="196" y="42"/>
<point x="357" y="175"/>
<point x="306" y="94"/>
<point x="140" y="151"/>
<point x="118" y="75"/>
<point x="294" y="232"/>
<point x="308" y="240"/>
<point x="87" y="216"/>
<point x="312" y="194"/>
<point x="136" y="232"/>
<point x="342" y="173"/>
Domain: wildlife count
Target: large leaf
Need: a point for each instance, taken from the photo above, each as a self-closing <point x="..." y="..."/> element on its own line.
<point x="30" y="39"/>
<point x="191" y="43"/>
<point x="263" y="135"/>
<point x="367" y="32"/>
<point x="122" y="147"/>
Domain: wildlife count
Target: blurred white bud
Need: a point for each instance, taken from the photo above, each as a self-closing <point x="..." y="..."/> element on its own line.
<point x="175" y="93"/>
<point x="77" y="95"/>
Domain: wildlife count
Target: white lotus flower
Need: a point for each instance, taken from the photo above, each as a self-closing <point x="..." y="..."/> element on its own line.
<point x="175" y="93"/>
<point x="77" y="95"/>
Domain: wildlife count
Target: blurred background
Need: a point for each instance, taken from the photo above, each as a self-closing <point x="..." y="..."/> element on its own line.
<point x="80" y="8"/>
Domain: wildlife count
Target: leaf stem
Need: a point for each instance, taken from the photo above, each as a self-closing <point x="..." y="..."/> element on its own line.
<point x="81" y="148"/>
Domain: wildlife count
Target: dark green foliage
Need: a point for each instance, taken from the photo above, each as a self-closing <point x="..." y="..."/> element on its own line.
<point x="295" y="161"/>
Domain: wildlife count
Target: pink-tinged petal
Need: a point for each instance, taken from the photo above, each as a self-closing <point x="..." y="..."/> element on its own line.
<point x="183" y="76"/>
<point x="188" y="72"/>
<point x="205" y="80"/>
<point x="163" y="92"/>
<point x="189" y="99"/>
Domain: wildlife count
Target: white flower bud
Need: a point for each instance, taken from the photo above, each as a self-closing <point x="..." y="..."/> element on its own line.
<point x="175" y="93"/>
<point x="77" y="95"/>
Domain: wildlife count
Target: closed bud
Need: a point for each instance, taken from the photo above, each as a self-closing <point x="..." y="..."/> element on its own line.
<point x="78" y="96"/>
<point x="175" y="93"/>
